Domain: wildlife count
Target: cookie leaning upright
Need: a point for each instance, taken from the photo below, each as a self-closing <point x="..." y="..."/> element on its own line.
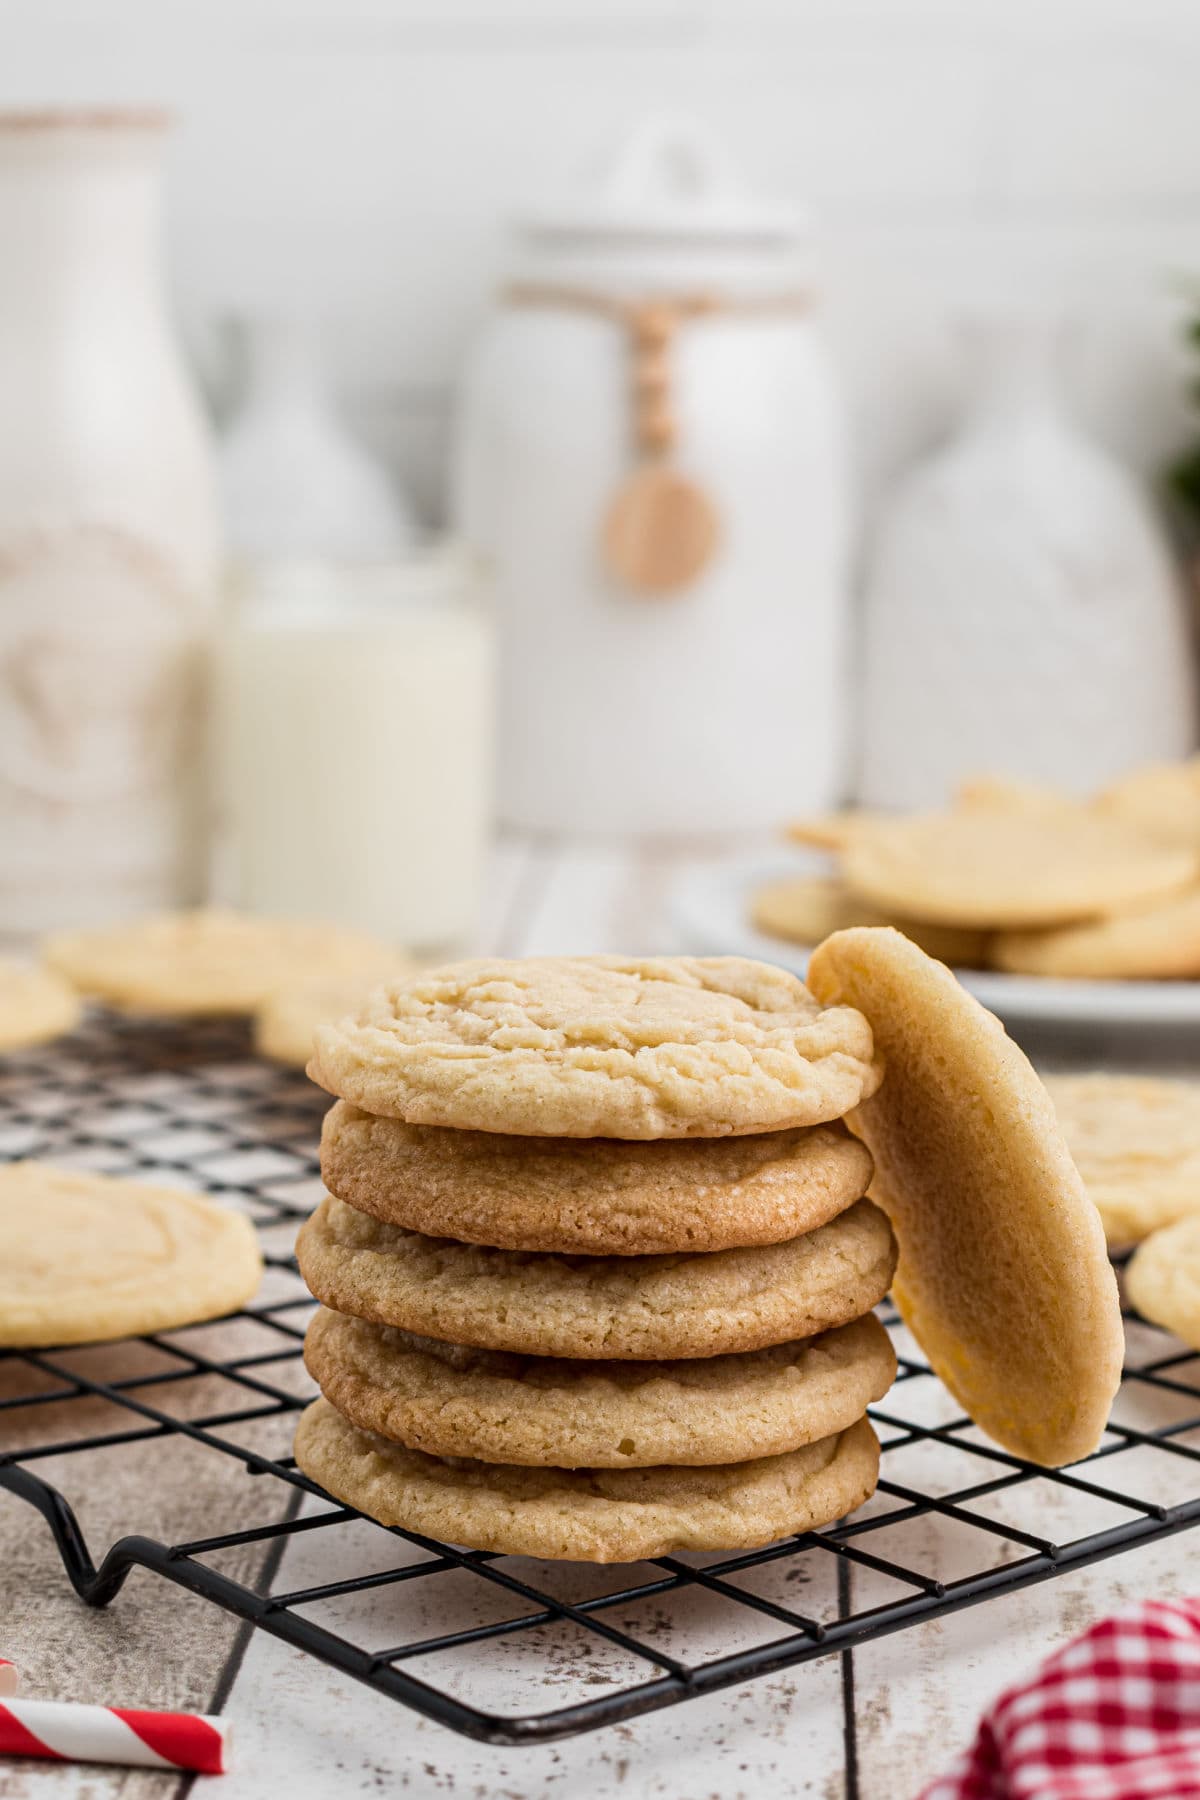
<point x="601" y="1046"/>
<point x="1003" y="1275"/>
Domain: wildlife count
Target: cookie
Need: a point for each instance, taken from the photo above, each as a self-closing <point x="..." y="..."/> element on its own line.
<point x="207" y="962"/>
<point x="1136" y="1142"/>
<point x="1161" y="798"/>
<point x="1149" y="943"/>
<point x="592" y="1196"/>
<point x="1003" y="870"/>
<point x="1003" y="793"/>
<point x="36" y="1005"/>
<point x="832" y="831"/>
<point x="1162" y="1281"/>
<point x="640" y="1308"/>
<point x="88" y="1258"/>
<point x="600" y="1046"/>
<point x="588" y="1515"/>
<point x="545" y="1411"/>
<point x="1003" y="1275"/>
<point x="285" y="1022"/>
<point x="806" y="908"/>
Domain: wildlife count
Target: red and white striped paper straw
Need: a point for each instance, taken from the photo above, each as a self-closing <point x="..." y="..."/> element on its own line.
<point x="67" y="1732"/>
<point x="9" y="1677"/>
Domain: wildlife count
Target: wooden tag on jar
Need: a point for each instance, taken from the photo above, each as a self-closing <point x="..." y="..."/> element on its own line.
<point x="660" y="532"/>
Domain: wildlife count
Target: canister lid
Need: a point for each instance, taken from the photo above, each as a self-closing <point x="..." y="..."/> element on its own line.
<point x="670" y="184"/>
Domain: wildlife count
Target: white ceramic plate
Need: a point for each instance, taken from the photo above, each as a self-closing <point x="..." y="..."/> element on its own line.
<point x="710" y="910"/>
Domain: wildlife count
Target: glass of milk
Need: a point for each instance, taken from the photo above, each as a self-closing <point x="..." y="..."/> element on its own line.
<point x="355" y="744"/>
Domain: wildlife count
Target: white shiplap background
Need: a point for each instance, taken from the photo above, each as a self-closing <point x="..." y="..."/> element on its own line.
<point x="357" y="158"/>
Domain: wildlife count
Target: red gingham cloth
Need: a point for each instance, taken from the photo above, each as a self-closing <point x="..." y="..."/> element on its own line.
<point x="1113" y="1716"/>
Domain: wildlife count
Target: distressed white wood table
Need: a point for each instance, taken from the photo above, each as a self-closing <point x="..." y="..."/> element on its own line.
<point x="879" y="1721"/>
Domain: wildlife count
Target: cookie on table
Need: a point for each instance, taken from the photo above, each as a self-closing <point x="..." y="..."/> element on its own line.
<point x="636" y="1308"/>
<point x="592" y="1196"/>
<point x="588" y="1515"/>
<point x="1151" y="942"/>
<point x="1160" y="798"/>
<point x="806" y="908"/>
<point x="88" y="1258"/>
<point x="286" y="1020"/>
<point x="209" y="962"/>
<point x="543" y="1411"/>
<point x="600" y="1046"/>
<point x="1136" y="1142"/>
<point x="997" y="870"/>
<point x="1003" y="1276"/>
<point x="36" y="1005"/>
<point x="1162" y="1280"/>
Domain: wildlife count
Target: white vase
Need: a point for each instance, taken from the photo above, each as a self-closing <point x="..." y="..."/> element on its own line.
<point x="1022" y="612"/>
<point x="108" y="538"/>
<point x="295" y="483"/>
<point x="716" y="706"/>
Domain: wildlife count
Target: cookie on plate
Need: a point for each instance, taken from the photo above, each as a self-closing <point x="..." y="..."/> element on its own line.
<point x="1136" y="1142"/>
<point x="997" y="870"/>
<point x="592" y="1196"/>
<point x="806" y="908"/>
<point x="1151" y="942"/>
<point x="36" y="1005"/>
<point x="600" y="1046"/>
<point x="644" y="1308"/>
<point x="546" y="1411"/>
<point x="204" y="963"/>
<point x="1003" y="1276"/>
<point x="286" y="1020"/>
<point x="1163" y="1279"/>
<point x="1161" y="798"/>
<point x="588" y="1515"/>
<point x="88" y="1258"/>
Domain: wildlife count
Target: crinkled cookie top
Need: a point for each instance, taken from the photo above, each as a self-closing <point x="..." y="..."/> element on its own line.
<point x="601" y="1046"/>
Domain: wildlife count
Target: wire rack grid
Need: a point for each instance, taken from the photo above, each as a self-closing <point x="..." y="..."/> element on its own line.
<point x="465" y="1637"/>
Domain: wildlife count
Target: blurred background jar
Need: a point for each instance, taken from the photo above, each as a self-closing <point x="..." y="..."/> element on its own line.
<point x="108" y="534"/>
<point x="650" y="458"/>
<point x="1022" y="609"/>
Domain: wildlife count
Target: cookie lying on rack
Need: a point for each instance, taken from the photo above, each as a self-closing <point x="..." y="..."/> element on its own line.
<point x="88" y="1258"/>
<point x="1136" y="1142"/>
<point x="494" y="1390"/>
<point x="207" y="963"/>
<point x="36" y="1005"/>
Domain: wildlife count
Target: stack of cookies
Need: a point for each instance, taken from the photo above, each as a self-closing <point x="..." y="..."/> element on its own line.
<point x="596" y="1269"/>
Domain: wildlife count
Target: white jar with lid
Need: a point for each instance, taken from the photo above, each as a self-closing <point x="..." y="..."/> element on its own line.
<point x="712" y="699"/>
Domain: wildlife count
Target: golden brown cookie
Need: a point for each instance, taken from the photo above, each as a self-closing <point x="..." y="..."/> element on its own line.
<point x="1012" y="870"/>
<point x="1161" y="798"/>
<point x="1003" y="1275"/>
<point x="1162" y="1280"/>
<point x="588" y="1515"/>
<point x="832" y="831"/>
<point x="806" y="908"/>
<point x="592" y="1196"/>
<point x="285" y="1022"/>
<point x="551" y="1412"/>
<point x="207" y="962"/>
<point x="1004" y="793"/>
<point x="600" y="1046"/>
<point x="86" y="1257"/>
<point x="36" y="1005"/>
<point x="1136" y="1142"/>
<point x="640" y="1308"/>
<point x="1152" y="942"/>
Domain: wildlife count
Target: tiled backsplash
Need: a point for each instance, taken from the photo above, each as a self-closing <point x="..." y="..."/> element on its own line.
<point x="358" y="157"/>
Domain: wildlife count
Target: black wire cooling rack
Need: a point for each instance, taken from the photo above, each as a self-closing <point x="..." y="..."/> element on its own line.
<point x="464" y="1637"/>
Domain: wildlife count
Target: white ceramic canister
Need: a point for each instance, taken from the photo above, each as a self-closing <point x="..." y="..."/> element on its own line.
<point x="108" y="536"/>
<point x="355" y="712"/>
<point x="1022" y="613"/>
<point x="713" y="701"/>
